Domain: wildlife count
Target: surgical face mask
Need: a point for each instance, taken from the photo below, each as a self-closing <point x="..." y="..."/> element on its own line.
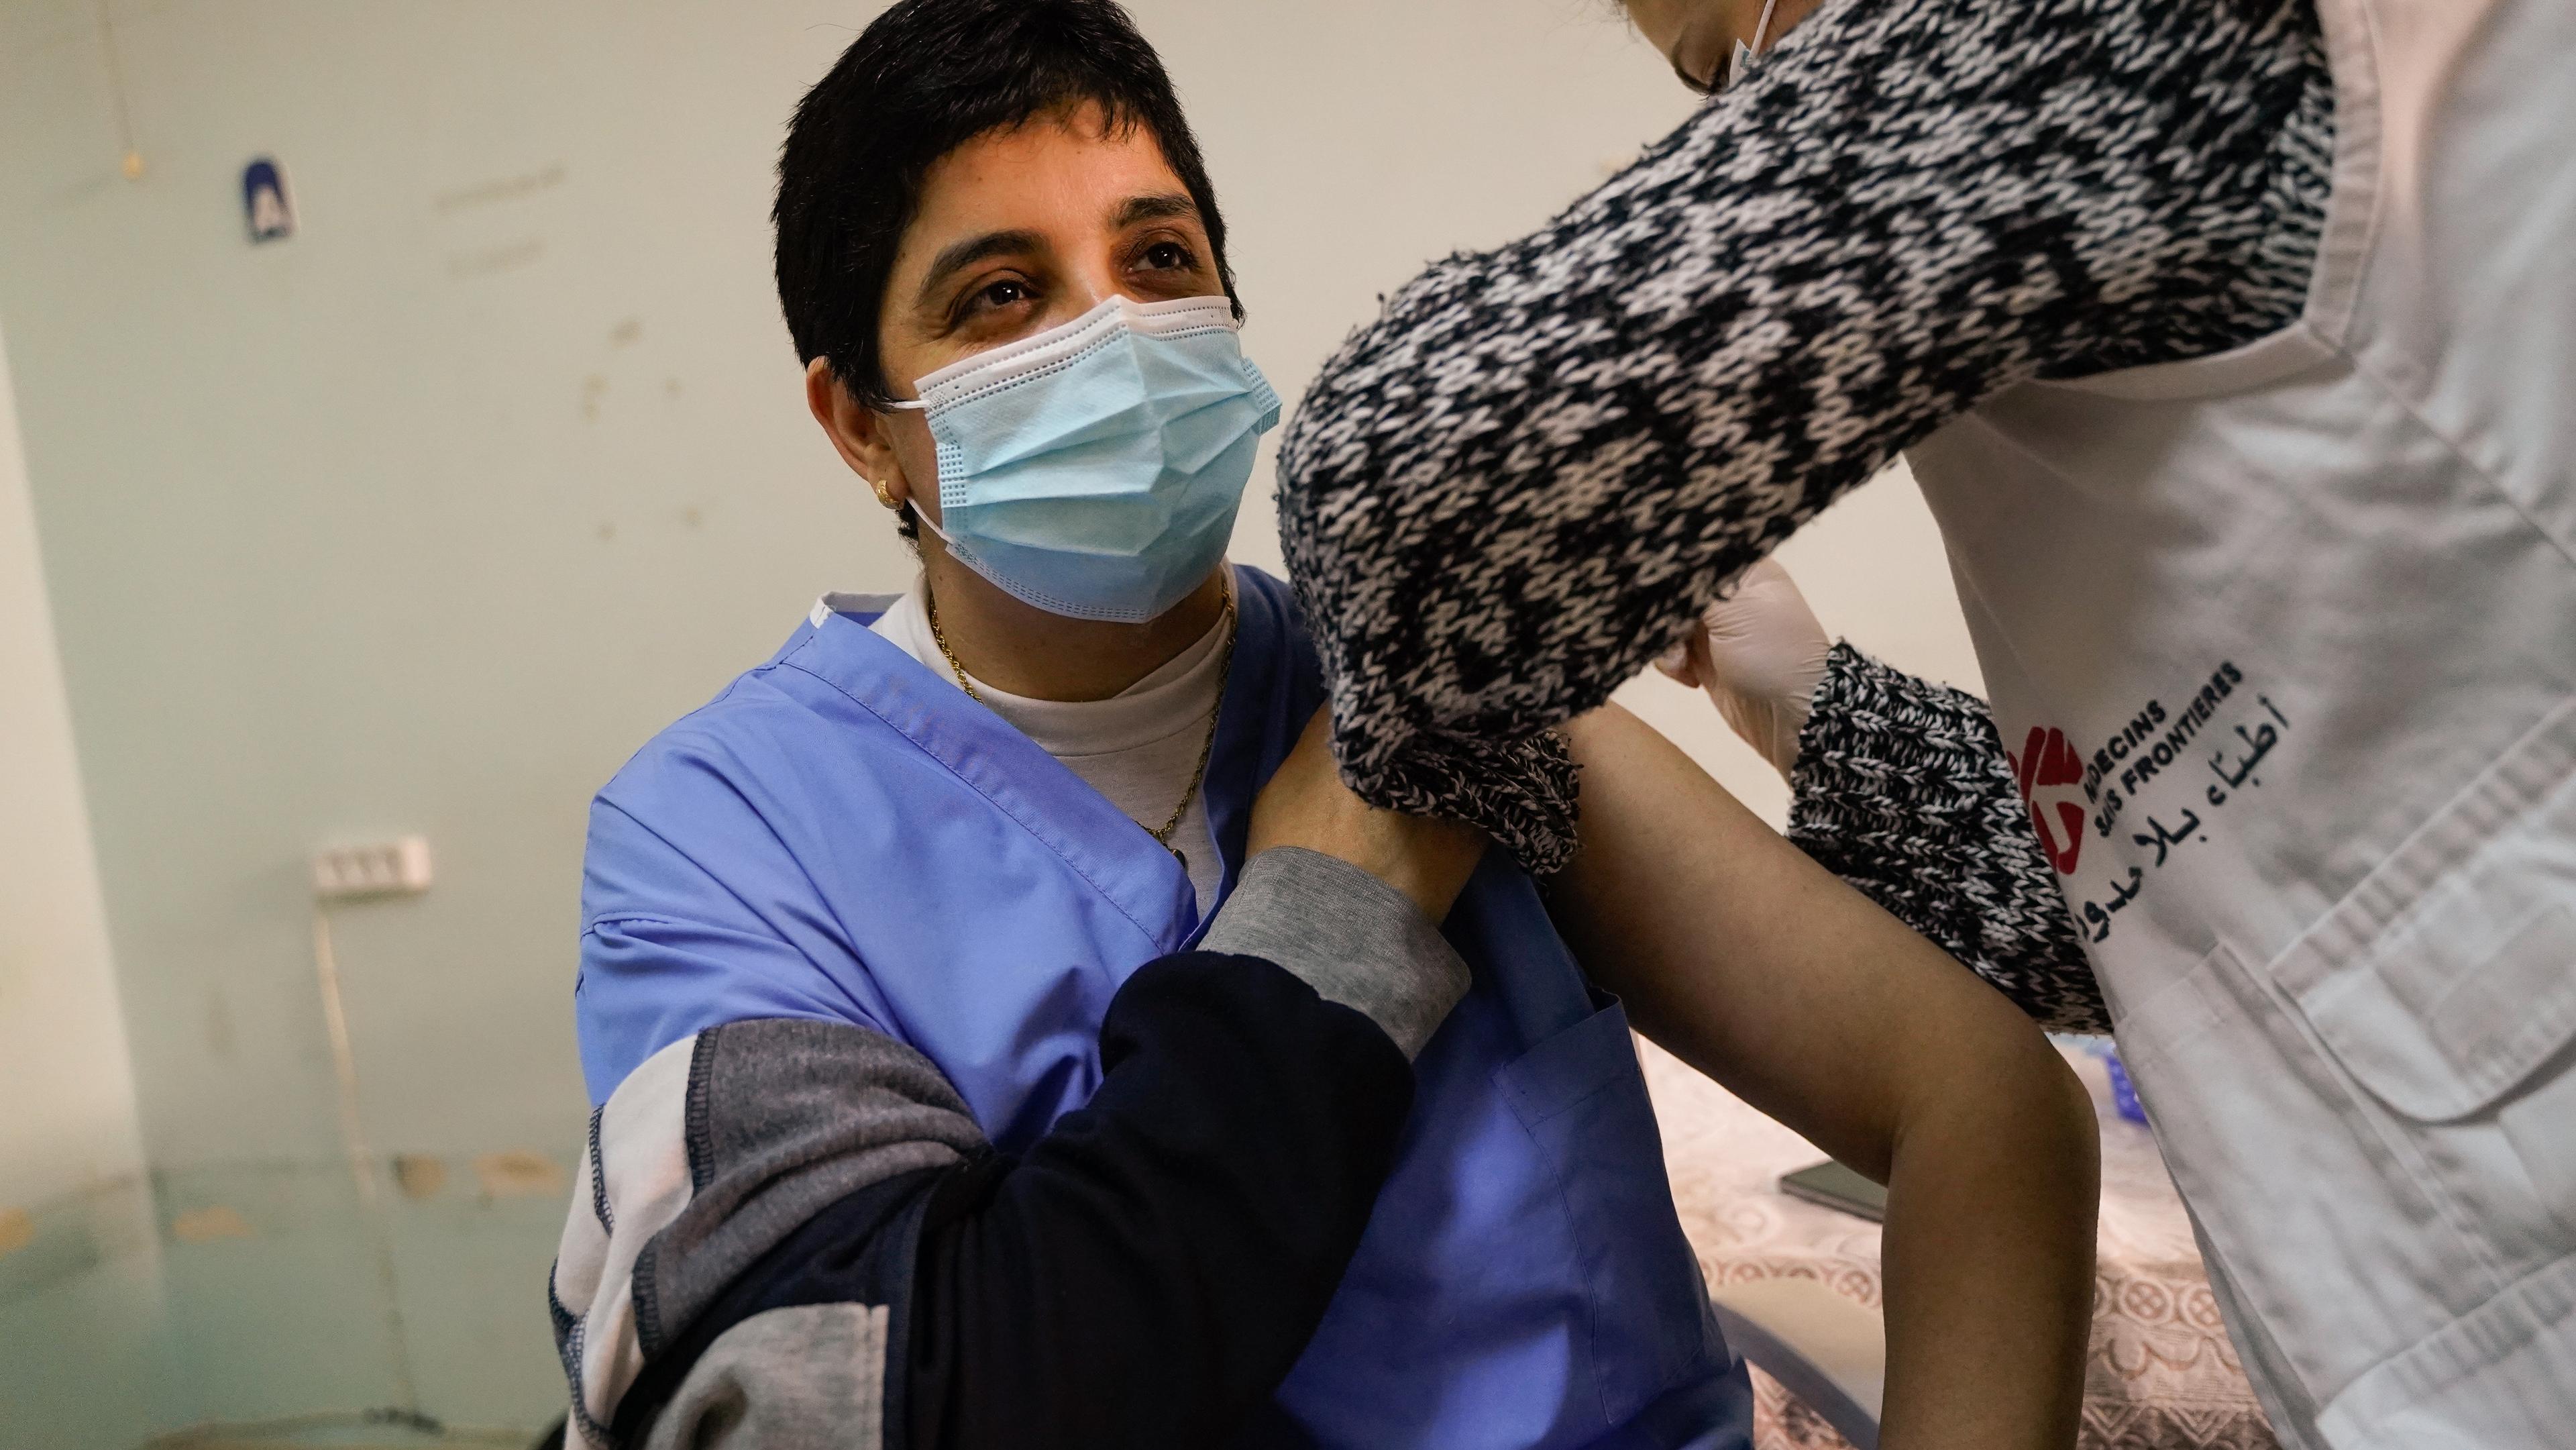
<point x="1094" y="470"/>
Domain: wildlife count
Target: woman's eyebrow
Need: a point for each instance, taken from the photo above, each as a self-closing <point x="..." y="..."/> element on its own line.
<point x="959" y="255"/>
<point x="1159" y="206"/>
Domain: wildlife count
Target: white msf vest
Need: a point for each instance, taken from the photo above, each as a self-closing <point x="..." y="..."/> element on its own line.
<point x="2284" y="644"/>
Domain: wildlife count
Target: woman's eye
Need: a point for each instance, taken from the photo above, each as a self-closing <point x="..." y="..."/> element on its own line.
<point x="1006" y="293"/>
<point x="1169" y="257"/>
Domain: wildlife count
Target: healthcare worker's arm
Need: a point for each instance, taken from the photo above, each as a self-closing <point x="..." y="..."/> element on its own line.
<point x="795" y="1234"/>
<point x="1752" y="964"/>
<point x="1901" y="787"/>
<point x="1503" y="497"/>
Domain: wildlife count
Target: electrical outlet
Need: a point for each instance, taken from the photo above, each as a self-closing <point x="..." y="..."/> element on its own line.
<point x="383" y="868"/>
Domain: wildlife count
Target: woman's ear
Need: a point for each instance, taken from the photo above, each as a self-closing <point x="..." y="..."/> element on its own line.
<point x="863" y="436"/>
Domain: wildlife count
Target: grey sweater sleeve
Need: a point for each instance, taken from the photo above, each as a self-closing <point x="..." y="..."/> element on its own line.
<point x="1903" y="789"/>
<point x="1350" y="936"/>
<point x="713" y="1153"/>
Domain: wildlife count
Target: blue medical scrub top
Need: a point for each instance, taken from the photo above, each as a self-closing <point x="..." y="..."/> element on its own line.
<point x="844" y="835"/>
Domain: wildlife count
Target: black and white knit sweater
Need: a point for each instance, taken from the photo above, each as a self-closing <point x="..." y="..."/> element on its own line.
<point x="1902" y="788"/>
<point x="1516" y="487"/>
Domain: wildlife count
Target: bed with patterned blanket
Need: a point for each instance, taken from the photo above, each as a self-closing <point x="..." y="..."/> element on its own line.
<point x="2162" y="1375"/>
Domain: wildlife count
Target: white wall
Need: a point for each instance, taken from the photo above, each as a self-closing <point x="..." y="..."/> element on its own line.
<point x="77" y="1288"/>
<point x="62" y="1041"/>
<point x="424" y="519"/>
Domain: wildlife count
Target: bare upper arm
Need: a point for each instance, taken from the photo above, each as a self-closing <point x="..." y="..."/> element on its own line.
<point x="1747" y="960"/>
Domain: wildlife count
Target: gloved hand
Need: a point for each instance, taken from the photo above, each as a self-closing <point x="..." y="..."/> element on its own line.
<point x="1760" y="652"/>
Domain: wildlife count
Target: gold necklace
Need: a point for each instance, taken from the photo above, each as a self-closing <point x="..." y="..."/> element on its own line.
<point x="1207" y="747"/>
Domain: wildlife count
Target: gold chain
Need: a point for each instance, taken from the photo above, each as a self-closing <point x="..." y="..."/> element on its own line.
<point x="930" y="605"/>
<point x="1207" y="747"/>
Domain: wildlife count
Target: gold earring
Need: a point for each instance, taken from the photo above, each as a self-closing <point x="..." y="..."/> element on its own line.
<point x="883" y="497"/>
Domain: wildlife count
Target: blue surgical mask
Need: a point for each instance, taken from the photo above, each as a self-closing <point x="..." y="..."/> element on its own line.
<point x="1094" y="470"/>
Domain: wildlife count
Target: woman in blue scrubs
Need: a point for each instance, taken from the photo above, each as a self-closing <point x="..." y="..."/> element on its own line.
<point x="1006" y="1029"/>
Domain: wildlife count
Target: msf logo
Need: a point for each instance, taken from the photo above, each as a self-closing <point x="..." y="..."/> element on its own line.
<point x="2051" y="774"/>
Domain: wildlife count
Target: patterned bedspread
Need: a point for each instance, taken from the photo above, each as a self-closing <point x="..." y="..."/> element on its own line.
<point x="2163" y="1375"/>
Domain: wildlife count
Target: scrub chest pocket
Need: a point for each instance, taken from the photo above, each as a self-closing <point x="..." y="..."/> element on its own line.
<point x="1582" y="1099"/>
<point x="1525" y="1280"/>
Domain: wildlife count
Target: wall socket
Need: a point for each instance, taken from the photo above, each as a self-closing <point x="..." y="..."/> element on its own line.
<point x="382" y="868"/>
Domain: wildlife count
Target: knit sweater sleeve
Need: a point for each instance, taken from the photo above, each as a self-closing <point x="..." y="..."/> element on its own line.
<point x="1903" y="789"/>
<point x="1519" y="484"/>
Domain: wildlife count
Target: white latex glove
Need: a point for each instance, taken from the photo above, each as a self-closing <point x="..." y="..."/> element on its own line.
<point x="1760" y="652"/>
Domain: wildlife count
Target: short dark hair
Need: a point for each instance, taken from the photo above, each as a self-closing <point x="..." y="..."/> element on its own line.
<point x="926" y="78"/>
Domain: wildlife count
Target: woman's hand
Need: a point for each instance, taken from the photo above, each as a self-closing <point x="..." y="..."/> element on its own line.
<point x="1307" y="805"/>
<point x="1760" y="653"/>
